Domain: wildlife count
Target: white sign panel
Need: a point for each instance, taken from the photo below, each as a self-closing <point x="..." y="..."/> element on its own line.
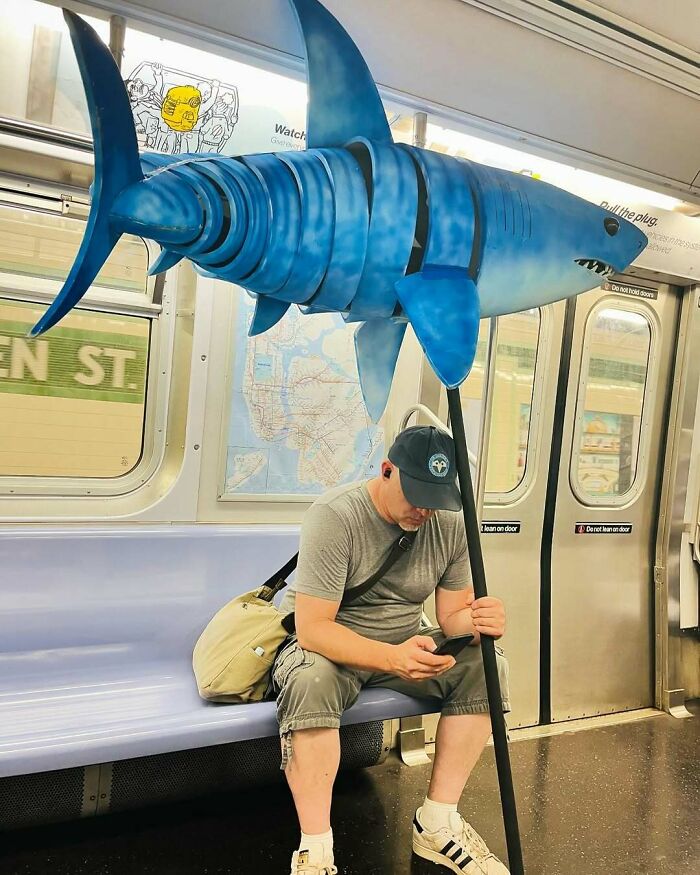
<point x="674" y="239"/>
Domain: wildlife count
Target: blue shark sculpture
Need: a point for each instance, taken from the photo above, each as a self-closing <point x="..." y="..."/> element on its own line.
<point x="385" y="234"/>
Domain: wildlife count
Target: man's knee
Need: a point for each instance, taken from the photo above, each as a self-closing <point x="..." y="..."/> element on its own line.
<point x="313" y="692"/>
<point x="313" y="748"/>
<point x="469" y="694"/>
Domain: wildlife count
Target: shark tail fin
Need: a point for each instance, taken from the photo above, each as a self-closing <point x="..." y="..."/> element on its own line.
<point x="117" y="163"/>
<point x="377" y="345"/>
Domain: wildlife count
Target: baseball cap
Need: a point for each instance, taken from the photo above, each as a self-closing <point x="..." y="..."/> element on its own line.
<point x="425" y="457"/>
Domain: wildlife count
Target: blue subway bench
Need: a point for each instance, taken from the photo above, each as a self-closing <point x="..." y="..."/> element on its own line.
<point x="98" y="703"/>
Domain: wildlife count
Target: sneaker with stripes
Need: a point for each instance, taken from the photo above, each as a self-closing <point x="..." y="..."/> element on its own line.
<point x="459" y="847"/>
<point x="304" y="864"/>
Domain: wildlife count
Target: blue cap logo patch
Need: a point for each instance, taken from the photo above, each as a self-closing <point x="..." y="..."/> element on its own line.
<point x="439" y="465"/>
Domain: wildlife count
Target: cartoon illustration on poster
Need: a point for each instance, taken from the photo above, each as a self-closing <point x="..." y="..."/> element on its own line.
<point x="176" y="112"/>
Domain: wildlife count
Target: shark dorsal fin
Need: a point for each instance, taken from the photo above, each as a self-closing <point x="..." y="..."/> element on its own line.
<point x="343" y="100"/>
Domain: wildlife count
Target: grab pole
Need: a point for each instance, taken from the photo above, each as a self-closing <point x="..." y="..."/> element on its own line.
<point x="488" y="652"/>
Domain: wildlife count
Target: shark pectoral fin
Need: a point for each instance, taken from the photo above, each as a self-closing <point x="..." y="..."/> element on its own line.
<point x="377" y="344"/>
<point x="268" y="312"/>
<point x="442" y="305"/>
<point x="165" y="261"/>
<point x="117" y="163"/>
<point x="343" y="100"/>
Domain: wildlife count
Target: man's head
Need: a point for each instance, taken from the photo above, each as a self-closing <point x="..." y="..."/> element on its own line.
<point x="418" y="477"/>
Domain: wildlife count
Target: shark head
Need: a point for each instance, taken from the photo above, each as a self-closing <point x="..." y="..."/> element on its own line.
<point x="541" y="244"/>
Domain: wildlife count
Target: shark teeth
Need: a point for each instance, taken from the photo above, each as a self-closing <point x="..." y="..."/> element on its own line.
<point x="598" y="266"/>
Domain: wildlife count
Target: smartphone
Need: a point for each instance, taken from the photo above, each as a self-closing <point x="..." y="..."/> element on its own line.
<point x="452" y="646"/>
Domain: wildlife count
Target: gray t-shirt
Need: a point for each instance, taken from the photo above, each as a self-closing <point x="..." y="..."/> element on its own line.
<point x="344" y="541"/>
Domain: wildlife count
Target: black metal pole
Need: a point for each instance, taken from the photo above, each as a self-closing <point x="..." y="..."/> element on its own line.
<point x="488" y="652"/>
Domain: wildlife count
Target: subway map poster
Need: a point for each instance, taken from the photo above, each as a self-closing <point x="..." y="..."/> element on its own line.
<point x="297" y="424"/>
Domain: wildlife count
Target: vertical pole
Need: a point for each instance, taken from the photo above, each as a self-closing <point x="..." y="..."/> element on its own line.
<point x="117" y="30"/>
<point x="420" y="129"/>
<point x="488" y="652"/>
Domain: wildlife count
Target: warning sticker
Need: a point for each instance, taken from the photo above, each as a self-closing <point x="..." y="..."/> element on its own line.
<point x="634" y="291"/>
<point x="603" y="528"/>
<point x="498" y="527"/>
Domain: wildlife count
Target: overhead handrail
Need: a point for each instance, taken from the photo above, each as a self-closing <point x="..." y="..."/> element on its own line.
<point x="428" y="413"/>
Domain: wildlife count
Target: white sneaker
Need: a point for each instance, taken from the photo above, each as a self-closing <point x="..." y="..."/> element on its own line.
<point x="302" y="865"/>
<point x="459" y="847"/>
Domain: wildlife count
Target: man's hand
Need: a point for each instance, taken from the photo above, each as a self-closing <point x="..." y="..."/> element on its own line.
<point x="414" y="661"/>
<point x="488" y="615"/>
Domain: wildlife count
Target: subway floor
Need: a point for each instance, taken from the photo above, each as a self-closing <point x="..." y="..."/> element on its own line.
<point x="615" y="800"/>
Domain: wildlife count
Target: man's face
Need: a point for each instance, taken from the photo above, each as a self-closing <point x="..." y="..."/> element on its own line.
<point x="404" y="514"/>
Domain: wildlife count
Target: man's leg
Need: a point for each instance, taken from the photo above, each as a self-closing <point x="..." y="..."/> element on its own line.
<point x="313" y="692"/>
<point x="459" y="743"/>
<point x="310" y="775"/>
<point x="440" y="833"/>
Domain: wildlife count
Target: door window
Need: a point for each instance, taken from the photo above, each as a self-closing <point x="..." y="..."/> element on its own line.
<point x="513" y="385"/>
<point x="608" y="440"/>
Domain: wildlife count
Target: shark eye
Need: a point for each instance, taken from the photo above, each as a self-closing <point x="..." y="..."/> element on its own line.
<point x="612" y="226"/>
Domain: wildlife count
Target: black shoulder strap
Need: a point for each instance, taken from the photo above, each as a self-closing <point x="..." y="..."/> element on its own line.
<point x="278" y="580"/>
<point x="282" y="575"/>
<point x="398" y="548"/>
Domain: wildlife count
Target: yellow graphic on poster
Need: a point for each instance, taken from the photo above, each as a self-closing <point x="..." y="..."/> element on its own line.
<point x="180" y="109"/>
<point x="176" y="112"/>
<point x="72" y="401"/>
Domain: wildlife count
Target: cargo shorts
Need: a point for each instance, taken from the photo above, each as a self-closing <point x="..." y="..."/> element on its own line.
<point x="313" y="692"/>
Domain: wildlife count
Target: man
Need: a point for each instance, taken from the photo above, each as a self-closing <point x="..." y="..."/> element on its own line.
<point x="374" y="641"/>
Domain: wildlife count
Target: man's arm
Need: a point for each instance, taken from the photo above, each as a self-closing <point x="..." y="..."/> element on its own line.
<point x="317" y="631"/>
<point x="324" y="559"/>
<point x="459" y="614"/>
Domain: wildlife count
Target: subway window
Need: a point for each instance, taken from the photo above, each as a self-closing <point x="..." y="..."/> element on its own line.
<point x="608" y="437"/>
<point x="72" y="402"/>
<point x="513" y="385"/>
<point x="39" y="69"/>
<point x="44" y="245"/>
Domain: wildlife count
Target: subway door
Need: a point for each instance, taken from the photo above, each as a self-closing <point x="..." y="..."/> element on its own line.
<point x="602" y="541"/>
<point x="525" y="367"/>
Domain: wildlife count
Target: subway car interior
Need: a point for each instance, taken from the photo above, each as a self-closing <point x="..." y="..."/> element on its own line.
<point x="165" y="429"/>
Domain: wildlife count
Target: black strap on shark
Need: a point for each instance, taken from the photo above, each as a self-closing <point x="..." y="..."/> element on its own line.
<point x="278" y="581"/>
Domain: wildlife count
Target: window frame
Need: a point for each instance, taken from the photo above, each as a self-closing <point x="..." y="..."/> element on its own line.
<point x="641" y="473"/>
<point x="502" y="499"/>
<point x="161" y="316"/>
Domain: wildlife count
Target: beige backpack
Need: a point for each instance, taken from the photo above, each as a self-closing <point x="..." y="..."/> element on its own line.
<point x="233" y="658"/>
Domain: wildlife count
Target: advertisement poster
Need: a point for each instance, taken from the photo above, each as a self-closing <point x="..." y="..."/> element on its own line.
<point x="599" y="456"/>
